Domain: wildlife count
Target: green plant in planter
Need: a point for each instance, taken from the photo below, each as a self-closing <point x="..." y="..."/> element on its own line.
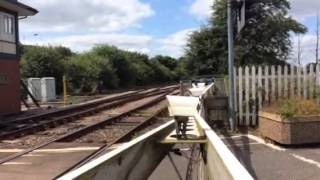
<point x="287" y="109"/>
<point x="295" y="106"/>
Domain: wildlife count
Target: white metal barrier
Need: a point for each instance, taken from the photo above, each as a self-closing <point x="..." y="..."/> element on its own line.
<point x="221" y="163"/>
<point x="134" y="160"/>
<point x="137" y="159"/>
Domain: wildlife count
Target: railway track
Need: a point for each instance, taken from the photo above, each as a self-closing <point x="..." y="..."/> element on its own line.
<point x="29" y="125"/>
<point x="118" y="119"/>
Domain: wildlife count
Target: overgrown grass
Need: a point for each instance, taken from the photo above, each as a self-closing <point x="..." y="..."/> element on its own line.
<point x="296" y="106"/>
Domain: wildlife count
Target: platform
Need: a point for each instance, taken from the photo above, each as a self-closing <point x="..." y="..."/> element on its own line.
<point x="45" y="163"/>
<point x="267" y="161"/>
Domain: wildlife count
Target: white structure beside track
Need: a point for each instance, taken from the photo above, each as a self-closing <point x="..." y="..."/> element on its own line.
<point x="138" y="158"/>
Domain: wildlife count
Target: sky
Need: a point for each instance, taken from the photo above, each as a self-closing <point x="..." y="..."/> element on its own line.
<point x="147" y="26"/>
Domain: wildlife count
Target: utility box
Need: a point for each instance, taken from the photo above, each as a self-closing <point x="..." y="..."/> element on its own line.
<point x="34" y="86"/>
<point x="48" y="89"/>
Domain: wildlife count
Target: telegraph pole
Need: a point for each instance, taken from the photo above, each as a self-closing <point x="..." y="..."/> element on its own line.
<point x="230" y="66"/>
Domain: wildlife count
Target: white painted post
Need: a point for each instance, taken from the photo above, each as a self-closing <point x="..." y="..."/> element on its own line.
<point x="311" y="81"/>
<point x="305" y="79"/>
<point x="235" y="90"/>
<point x="260" y="86"/>
<point x="254" y="111"/>
<point x="273" y="83"/>
<point x="299" y="80"/>
<point x="279" y="81"/>
<point x="247" y="95"/>
<point x="318" y="82"/>
<point x="285" y="77"/>
<point x="292" y="81"/>
<point x="266" y="83"/>
<point x="240" y="78"/>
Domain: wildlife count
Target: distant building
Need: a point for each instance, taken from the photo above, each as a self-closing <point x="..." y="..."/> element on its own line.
<point x="10" y="12"/>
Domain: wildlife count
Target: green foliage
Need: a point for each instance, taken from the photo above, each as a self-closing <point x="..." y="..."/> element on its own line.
<point x="44" y="62"/>
<point x="120" y="63"/>
<point x="103" y="67"/>
<point x="167" y="61"/>
<point x="264" y="40"/>
<point x="294" y="106"/>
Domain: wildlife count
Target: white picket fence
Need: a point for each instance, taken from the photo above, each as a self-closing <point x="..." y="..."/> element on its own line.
<point x="257" y="86"/>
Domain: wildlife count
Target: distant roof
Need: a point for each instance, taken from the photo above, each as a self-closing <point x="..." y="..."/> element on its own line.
<point x="21" y="9"/>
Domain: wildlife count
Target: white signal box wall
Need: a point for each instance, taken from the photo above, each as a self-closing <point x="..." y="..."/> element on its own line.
<point x="48" y="89"/>
<point x="34" y="86"/>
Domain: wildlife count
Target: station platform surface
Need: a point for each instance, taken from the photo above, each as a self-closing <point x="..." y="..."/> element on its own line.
<point x="269" y="162"/>
<point x="45" y="163"/>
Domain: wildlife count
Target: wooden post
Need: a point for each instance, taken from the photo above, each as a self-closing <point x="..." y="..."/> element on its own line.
<point x="299" y="81"/>
<point x="318" y="82"/>
<point x="279" y="82"/>
<point x="65" y="98"/>
<point x="273" y="84"/>
<point x="305" y="79"/>
<point x="247" y="95"/>
<point x="235" y="95"/>
<point x="266" y="83"/>
<point x="292" y="81"/>
<point x="285" y="77"/>
<point x="253" y="86"/>
<point x="260" y="86"/>
<point x="311" y="82"/>
<point x="240" y="96"/>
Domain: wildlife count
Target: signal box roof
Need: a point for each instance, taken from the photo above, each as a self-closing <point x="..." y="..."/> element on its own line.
<point x="15" y="6"/>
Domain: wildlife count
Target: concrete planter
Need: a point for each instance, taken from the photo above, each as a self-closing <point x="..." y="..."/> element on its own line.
<point x="297" y="130"/>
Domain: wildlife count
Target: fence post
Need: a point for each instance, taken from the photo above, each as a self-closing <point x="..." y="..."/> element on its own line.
<point x="273" y="84"/>
<point x="240" y="79"/>
<point x="279" y="82"/>
<point x="253" y="80"/>
<point x="299" y="80"/>
<point x="318" y="82"/>
<point x="311" y="81"/>
<point x="235" y="96"/>
<point x="247" y="95"/>
<point x="305" y="79"/>
<point x="285" y="77"/>
<point x="260" y="86"/>
<point x="292" y="81"/>
<point x="266" y="83"/>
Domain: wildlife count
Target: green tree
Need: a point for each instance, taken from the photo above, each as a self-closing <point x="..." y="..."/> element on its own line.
<point x="43" y="62"/>
<point x="88" y="72"/>
<point x="120" y="64"/>
<point x="167" y="61"/>
<point x="264" y="40"/>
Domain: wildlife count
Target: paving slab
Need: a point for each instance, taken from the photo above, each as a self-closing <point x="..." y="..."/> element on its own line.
<point x="46" y="163"/>
<point x="269" y="162"/>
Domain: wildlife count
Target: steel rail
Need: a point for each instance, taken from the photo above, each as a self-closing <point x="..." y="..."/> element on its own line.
<point x="75" y="108"/>
<point x="70" y="117"/>
<point x="69" y="109"/>
<point x="85" y="130"/>
<point x="124" y="137"/>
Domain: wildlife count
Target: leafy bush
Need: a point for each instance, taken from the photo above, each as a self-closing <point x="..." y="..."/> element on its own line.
<point x="103" y="67"/>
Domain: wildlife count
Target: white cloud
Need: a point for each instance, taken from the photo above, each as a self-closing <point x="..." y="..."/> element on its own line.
<point x="174" y="44"/>
<point x="85" y="15"/>
<point x="304" y="8"/>
<point x="80" y="25"/>
<point x="85" y="42"/>
<point x="201" y="8"/>
<point x="308" y="46"/>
